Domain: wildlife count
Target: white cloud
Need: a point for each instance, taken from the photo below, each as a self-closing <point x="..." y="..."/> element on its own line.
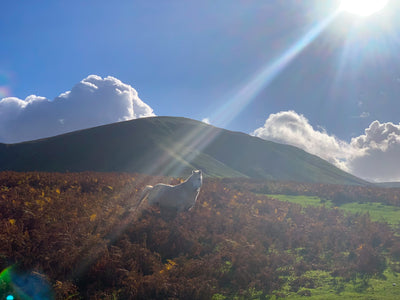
<point x="206" y="120"/>
<point x="92" y="102"/>
<point x="374" y="156"/>
<point x="380" y="148"/>
<point x="288" y="127"/>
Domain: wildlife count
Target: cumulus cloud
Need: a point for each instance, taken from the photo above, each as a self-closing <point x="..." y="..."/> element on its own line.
<point x="374" y="156"/>
<point x="380" y="148"/>
<point x="288" y="127"/>
<point x="92" y="102"/>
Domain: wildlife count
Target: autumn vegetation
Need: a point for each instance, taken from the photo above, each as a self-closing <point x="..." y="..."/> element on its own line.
<point x="86" y="234"/>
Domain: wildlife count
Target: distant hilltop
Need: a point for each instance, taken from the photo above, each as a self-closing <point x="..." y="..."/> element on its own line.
<point x="170" y="146"/>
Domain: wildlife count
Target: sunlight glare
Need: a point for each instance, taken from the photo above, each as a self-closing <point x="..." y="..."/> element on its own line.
<point x="363" y="7"/>
<point x="247" y="93"/>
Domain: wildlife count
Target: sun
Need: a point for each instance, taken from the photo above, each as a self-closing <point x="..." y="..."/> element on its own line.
<point x="363" y="7"/>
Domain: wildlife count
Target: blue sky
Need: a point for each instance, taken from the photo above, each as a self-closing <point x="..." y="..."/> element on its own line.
<point x="240" y="64"/>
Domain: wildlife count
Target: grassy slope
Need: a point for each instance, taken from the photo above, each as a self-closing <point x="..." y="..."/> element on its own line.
<point x="170" y="146"/>
<point x="329" y="288"/>
<point x="377" y="211"/>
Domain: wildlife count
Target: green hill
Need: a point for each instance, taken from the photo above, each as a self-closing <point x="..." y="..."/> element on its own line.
<point x="170" y="146"/>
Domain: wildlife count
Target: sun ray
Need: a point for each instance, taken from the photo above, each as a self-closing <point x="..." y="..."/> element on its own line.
<point x="246" y="94"/>
<point x="199" y="138"/>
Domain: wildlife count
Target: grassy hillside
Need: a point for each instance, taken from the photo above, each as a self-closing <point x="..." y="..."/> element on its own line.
<point x="170" y="146"/>
<point x="79" y="236"/>
<point x="377" y="211"/>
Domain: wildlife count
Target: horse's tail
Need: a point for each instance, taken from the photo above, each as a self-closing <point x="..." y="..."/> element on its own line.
<point x="143" y="196"/>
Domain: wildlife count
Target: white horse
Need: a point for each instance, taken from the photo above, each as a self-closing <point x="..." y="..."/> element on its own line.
<point x="181" y="197"/>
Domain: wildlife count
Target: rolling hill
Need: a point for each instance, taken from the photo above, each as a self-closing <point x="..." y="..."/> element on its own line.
<point x="170" y="146"/>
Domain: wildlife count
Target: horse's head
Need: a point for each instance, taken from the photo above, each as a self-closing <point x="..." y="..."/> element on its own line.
<point x="196" y="179"/>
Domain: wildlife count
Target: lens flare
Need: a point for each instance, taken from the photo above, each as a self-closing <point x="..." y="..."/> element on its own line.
<point x="24" y="285"/>
<point x="4" y="92"/>
<point x="6" y="82"/>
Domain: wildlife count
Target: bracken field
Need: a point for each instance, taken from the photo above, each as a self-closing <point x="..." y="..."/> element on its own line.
<point x="84" y="236"/>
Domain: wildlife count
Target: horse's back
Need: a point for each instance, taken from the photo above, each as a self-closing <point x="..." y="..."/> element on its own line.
<point x="158" y="192"/>
<point x="182" y="196"/>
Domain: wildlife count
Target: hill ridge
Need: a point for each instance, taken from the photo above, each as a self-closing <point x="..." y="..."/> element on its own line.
<point x="170" y="146"/>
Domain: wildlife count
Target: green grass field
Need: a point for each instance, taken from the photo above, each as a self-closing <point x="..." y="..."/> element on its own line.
<point x="328" y="287"/>
<point x="302" y="200"/>
<point x="377" y="211"/>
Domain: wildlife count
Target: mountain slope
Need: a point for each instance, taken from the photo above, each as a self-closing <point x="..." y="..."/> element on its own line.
<point x="170" y="146"/>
